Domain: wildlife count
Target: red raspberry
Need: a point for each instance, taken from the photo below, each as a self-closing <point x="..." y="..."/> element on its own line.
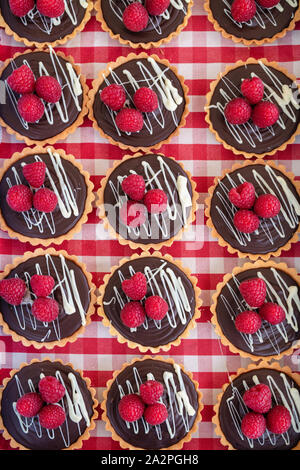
<point x="51" y="8"/>
<point x="253" y="425"/>
<point x="243" y="10"/>
<point x="113" y="96"/>
<point x="13" y="290"/>
<point x="136" y="287"/>
<point x="157" y="7"/>
<point x="246" y="221"/>
<point x="268" y="3"/>
<point x="35" y="173"/>
<point x="265" y="114"/>
<point x="267" y="206"/>
<point x="243" y="196"/>
<point x="156" y="414"/>
<point x="253" y="89"/>
<point x="272" y="313"/>
<point x="52" y="416"/>
<point x="48" y="88"/>
<point x="278" y="419"/>
<point x="145" y="100"/>
<point x="133" y="314"/>
<point x="31" y="108"/>
<point x="131" y="407"/>
<point x="22" y="80"/>
<point x="129" y="120"/>
<point x="51" y="389"/>
<point x="135" y="17"/>
<point x="45" y="309"/>
<point x="29" y="404"/>
<point x="258" y="398"/>
<point x="254" y="291"/>
<point x="45" y="200"/>
<point x="21" y="7"/>
<point x="134" y="186"/>
<point x="19" y="198"/>
<point x="156" y="307"/>
<point x="151" y="391"/>
<point x="133" y="214"/>
<point x="237" y="111"/>
<point x="41" y="285"/>
<point x="156" y="201"/>
<point x="248" y="322"/>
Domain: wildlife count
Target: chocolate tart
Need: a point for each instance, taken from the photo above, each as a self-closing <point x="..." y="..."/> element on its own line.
<point x="160" y="29"/>
<point x="180" y="425"/>
<point x="37" y="30"/>
<point x="66" y="177"/>
<point x="79" y="404"/>
<point x="133" y="72"/>
<point x="230" y="408"/>
<point x="273" y="235"/>
<point x="248" y="140"/>
<point x="270" y="341"/>
<point x="73" y="290"/>
<point x="60" y="119"/>
<point x="266" y="26"/>
<point x="167" y="278"/>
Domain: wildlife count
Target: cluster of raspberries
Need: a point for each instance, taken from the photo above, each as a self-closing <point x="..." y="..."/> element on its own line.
<point x="49" y="8"/>
<point x="244" y="10"/>
<point x="136" y="15"/>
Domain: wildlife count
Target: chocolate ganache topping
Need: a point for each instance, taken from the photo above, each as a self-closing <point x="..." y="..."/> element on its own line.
<point x="174" y="380"/>
<point x="77" y="404"/>
<point x="285" y="391"/>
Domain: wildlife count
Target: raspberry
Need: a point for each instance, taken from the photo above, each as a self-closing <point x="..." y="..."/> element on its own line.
<point x="131" y="407"/>
<point x="41" y="285"/>
<point x="31" y="108"/>
<point x="246" y="221"/>
<point x="136" y="287"/>
<point x="156" y="414"/>
<point x="253" y="425"/>
<point x="113" y="96"/>
<point x="267" y="206"/>
<point x="19" y="198"/>
<point x="237" y="111"/>
<point x="278" y="419"/>
<point x="248" y="322"/>
<point x="156" y="307"/>
<point x="254" y="291"/>
<point x="133" y="315"/>
<point x="253" y="89"/>
<point x="145" y="100"/>
<point x="157" y="7"/>
<point x="22" y="80"/>
<point x="45" y="309"/>
<point x="13" y="290"/>
<point x="272" y="313"/>
<point x="35" y="173"/>
<point x="129" y="120"/>
<point x="156" y="201"/>
<point x="29" y="404"/>
<point x="243" y="10"/>
<point x="45" y="200"/>
<point x="135" y="17"/>
<point x="265" y="114"/>
<point x="268" y="3"/>
<point x="151" y="391"/>
<point x="52" y="416"/>
<point x="134" y="186"/>
<point x="133" y="214"/>
<point x="243" y="196"/>
<point x="21" y="7"/>
<point x="51" y="389"/>
<point x="51" y="8"/>
<point x="48" y="88"/>
<point x="258" y="398"/>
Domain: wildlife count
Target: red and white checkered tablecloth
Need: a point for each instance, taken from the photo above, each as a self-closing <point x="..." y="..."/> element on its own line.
<point x="200" y="54"/>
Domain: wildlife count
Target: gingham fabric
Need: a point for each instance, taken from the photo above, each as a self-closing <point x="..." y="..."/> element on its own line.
<point x="200" y="53"/>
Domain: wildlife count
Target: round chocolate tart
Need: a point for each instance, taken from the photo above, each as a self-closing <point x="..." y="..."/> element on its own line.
<point x="79" y="404"/>
<point x="230" y="409"/>
<point x="59" y="119"/>
<point x="166" y="278"/>
<point x="66" y="178"/>
<point x="274" y="234"/>
<point x="271" y="340"/>
<point x="35" y="29"/>
<point x="160" y="29"/>
<point x="267" y="25"/>
<point x="184" y="414"/>
<point x="247" y="139"/>
<point x="73" y="291"/>
<point x="133" y="72"/>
